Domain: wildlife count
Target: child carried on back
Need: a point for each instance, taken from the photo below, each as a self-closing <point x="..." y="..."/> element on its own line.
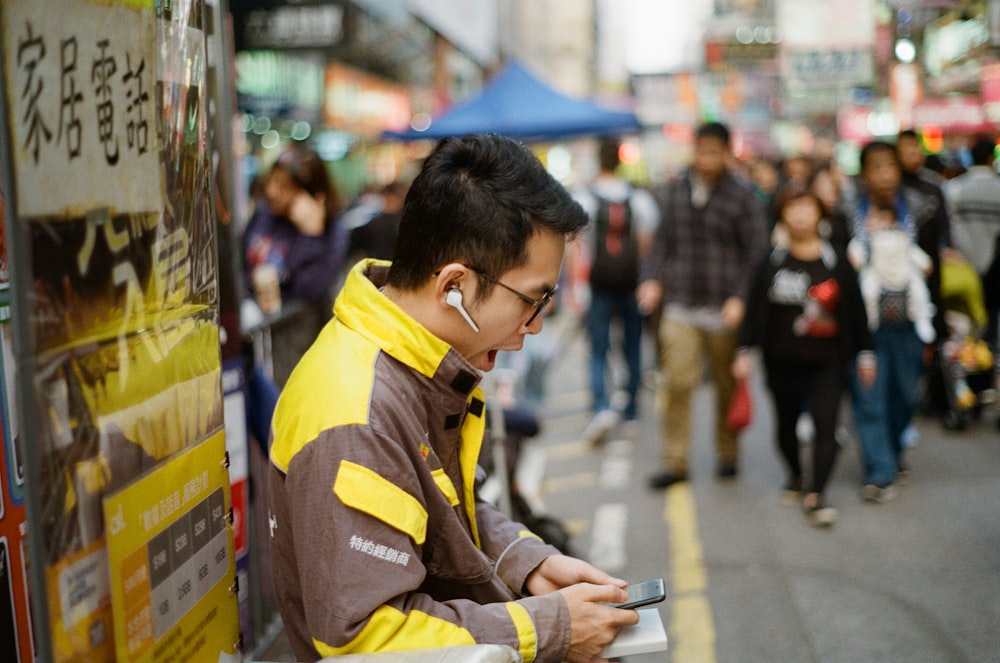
<point x="891" y="272"/>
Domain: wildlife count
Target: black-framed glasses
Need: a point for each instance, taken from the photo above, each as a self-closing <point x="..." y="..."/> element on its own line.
<point x="538" y="304"/>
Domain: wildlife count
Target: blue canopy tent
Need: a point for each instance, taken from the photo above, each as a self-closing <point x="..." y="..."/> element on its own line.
<point x="516" y="104"/>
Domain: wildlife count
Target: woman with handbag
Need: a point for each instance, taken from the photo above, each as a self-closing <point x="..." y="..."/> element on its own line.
<point x="806" y="314"/>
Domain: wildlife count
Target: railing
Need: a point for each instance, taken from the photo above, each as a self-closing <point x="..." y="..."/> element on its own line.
<point x="279" y="340"/>
<point x="277" y="343"/>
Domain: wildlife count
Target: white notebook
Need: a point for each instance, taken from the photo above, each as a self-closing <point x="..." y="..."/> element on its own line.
<point x="645" y="637"/>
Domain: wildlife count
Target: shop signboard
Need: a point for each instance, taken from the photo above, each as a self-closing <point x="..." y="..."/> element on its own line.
<point x="989" y="83"/>
<point x="953" y="114"/>
<point x="824" y="41"/>
<point x="363" y="104"/>
<point x="292" y="26"/>
<point x="844" y="65"/>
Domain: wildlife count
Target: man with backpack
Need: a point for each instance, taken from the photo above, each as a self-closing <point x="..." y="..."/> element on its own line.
<point x="713" y="236"/>
<point x="606" y="263"/>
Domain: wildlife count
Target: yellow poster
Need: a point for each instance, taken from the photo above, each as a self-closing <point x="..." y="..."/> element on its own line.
<point x="80" y="610"/>
<point x="170" y="550"/>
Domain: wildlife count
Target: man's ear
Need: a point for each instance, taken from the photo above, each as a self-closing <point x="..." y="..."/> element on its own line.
<point x="453" y="275"/>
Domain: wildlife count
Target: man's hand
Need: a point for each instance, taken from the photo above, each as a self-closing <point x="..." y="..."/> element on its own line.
<point x="742" y="365"/>
<point x="594" y="625"/>
<point x="559" y="571"/>
<point x="867" y="375"/>
<point x="733" y="310"/>
<point x="648" y="295"/>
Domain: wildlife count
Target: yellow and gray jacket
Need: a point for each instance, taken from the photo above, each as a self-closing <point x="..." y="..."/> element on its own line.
<point x="378" y="542"/>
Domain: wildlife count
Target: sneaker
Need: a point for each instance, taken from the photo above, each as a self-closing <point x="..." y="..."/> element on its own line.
<point x="599" y="426"/>
<point x="821" y="515"/>
<point x="903" y="474"/>
<point x="726" y="470"/>
<point x="791" y="492"/>
<point x="665" y="479"/>
<point x="878" y="494"/>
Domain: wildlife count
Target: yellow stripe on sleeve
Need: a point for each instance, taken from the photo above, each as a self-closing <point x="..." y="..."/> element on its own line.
<point x="526" y="636"/>
<point x="389" y="630"/>
<point x="367" y="491"/>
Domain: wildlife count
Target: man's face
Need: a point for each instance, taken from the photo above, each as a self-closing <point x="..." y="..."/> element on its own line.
<point x="881" y="174"/>
<point x="911" y="155"/>
<point x="710" y="155"/>
<point x="502" y="317"/>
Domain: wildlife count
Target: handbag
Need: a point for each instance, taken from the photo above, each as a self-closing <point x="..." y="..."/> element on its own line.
<point x="740" y="412"/>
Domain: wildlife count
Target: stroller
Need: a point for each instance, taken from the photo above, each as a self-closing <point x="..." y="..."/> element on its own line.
<point x="965" y="359"/>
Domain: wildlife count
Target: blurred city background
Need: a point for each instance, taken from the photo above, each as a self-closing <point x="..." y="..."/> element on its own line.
<point x="917" y="580"/>
<point x="790" y="77"/>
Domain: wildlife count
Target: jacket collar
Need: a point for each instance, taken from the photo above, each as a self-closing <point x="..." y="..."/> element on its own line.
<point x="361" y="307"/>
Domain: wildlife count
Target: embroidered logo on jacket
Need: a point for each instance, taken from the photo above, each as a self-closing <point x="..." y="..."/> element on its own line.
<point x="379" y="551"/>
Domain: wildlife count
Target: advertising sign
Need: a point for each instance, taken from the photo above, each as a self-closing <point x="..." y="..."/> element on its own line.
<point x="116" y="240"/>
<point x="170" y="546"/>
<point x="84" y="81"/>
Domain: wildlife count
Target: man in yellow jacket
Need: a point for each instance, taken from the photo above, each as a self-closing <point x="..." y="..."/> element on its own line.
<point x="378" y="541"/>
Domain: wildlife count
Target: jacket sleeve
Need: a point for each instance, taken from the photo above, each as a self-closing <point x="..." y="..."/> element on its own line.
<point x="515" y="549"/>
<point x="755" y="321"/>
<point x="359" y="526"/>
<point x="754" y="240"/>
<point x="651" y="265"/>
<point x="314" y="262"/>
<point x="855" y="317"/>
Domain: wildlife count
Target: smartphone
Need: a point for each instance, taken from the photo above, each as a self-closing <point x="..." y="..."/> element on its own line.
<point x="643" y="593"/>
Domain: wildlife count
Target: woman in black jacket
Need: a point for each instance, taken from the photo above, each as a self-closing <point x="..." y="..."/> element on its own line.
<point x="806" y="315"/>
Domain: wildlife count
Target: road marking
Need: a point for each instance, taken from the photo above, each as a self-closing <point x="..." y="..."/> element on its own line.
<point x="573" y="449"/>
<point x="607" y="541"/>
<point x="616" y="467"/>
<point x="569" y="482"/>
<point x="692" y="630"/>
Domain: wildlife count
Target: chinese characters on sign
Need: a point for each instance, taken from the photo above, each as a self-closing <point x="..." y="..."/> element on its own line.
<point x="83" y="107"/>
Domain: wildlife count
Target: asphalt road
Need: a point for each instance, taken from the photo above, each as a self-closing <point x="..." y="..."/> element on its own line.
<point x="915" y="580"/>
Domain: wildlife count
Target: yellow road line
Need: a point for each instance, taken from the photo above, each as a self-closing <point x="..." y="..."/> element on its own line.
<point x="692" y="630"/>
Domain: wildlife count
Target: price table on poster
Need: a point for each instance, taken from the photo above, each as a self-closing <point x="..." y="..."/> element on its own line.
<point x="173" y="571"/>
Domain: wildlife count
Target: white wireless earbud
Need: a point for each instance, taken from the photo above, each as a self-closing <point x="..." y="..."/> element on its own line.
<point x="454" y="300"/>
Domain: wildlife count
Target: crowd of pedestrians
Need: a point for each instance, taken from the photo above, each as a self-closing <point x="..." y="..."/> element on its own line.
<point x="835" y="280"/>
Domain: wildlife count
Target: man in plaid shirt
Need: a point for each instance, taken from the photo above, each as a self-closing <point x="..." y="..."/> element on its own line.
<point x="712" y="236"/>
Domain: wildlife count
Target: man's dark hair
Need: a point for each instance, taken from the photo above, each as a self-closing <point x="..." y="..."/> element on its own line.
<point x="607" y="154"/>
<point x="874" y="147"/>
<point x="908" y="133"/>
<point x="983" y="152"/>
<point x="478" y="200"/>
<point x="713" y="130"/>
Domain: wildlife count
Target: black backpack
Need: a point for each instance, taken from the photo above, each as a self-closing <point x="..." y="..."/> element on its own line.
<point x="614" y="261"/>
